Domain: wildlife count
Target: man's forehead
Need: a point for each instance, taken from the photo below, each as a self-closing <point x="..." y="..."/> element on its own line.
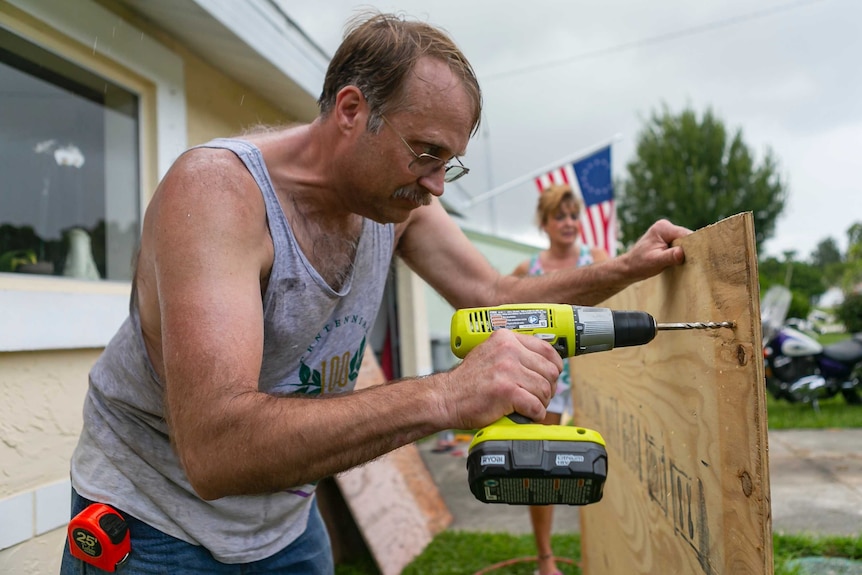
<point x="432" y="80"/>
<point x="437" y="98"/>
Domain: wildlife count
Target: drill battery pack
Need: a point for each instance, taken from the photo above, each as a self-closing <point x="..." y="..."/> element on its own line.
<point x="534" y="464"/>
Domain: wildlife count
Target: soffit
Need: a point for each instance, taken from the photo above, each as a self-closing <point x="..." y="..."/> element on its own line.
<point x="253" y="41"/>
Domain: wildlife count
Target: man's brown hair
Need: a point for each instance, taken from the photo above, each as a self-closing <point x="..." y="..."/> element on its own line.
<point x="377" y="54"/>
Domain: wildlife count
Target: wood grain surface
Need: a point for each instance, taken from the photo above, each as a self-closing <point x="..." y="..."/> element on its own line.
<point x="684" y="418"/>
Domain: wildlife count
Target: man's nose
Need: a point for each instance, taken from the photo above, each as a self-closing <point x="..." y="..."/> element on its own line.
<point x="434" y="182"/>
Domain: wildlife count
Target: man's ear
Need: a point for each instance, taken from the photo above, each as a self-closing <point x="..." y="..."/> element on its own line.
<point x="351" y="109"/>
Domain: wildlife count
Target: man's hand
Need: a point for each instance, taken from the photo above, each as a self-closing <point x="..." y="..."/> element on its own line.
<point x="653" y="251"/>
<point x="508" y="372"/>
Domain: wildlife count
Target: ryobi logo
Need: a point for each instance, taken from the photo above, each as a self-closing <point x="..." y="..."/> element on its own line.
<point x="564" y="459"/>
<point x="493" y="460"/>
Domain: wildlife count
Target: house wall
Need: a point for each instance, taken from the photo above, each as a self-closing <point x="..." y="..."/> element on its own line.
<point x="42" y="390"/>
<point x="52" y="330"/>
<point x="504" y="255"/>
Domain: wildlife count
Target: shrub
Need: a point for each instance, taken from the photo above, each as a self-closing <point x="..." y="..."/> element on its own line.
<point x="850" y="312"/>
<point x="800" y="306"/>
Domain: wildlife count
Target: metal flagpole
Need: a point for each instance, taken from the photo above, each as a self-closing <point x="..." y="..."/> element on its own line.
<point x="492" y="208"/>
<point x="541" y="171"/>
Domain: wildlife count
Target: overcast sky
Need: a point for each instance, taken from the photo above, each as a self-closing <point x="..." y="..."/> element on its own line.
<point x="559" y="76"/>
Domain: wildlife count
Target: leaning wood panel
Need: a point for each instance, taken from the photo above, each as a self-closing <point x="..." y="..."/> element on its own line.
<point x="394" y="500"/>
<point x="684" y="418"/>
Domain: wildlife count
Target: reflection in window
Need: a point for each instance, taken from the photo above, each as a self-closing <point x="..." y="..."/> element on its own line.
<point x="69" y="183"/>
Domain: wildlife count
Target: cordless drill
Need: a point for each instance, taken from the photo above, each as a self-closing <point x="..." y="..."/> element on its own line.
<point x="517" y="462"/>
<point x="571" y="330"/>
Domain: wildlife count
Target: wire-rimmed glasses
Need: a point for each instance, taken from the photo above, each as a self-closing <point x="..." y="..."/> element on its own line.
<point x="426" y="164"/>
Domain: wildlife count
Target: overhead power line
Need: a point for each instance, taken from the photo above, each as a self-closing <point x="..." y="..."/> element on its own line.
<point x="693" y="31"/>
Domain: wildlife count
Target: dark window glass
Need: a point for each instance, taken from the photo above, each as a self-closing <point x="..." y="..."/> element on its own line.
<point x="69" y="175"/>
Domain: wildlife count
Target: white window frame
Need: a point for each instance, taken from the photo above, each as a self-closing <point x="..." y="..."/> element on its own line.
<point x="43" y="313"/>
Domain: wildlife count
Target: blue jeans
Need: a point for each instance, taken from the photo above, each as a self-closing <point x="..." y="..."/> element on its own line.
<point x="155" y="553"/>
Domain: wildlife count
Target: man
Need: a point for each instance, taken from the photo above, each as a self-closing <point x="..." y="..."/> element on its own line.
<point x="212" y="413"/>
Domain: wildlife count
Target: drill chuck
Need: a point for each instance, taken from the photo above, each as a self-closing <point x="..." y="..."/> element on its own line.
<point x="602" y="329"/>
<point x="633" y="328"/>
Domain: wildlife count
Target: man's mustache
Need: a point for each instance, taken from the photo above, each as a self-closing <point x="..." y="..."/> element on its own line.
<point x="414" y="195"/>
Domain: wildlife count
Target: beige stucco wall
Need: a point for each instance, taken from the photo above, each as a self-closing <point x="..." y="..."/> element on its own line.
<point x="41" y="392"/>
<point x="41" y="395"/>
<point x="40" y="415"/>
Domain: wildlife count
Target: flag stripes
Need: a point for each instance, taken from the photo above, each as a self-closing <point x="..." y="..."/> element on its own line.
<point x="590" y="179"/>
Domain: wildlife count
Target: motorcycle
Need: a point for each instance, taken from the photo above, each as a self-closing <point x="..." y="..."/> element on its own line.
<point x="798" y="368"/>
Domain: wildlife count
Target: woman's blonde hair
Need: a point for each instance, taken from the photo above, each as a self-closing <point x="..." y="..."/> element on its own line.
<point x="552" y="199"/>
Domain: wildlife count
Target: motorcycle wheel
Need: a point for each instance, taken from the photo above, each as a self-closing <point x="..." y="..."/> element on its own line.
<point x="778" y="392"/>
<point x="851" y="396"/>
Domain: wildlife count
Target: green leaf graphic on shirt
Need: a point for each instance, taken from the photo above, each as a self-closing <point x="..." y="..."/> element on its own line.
<point x="356" y="361"/>
<point x="310" y="380"/>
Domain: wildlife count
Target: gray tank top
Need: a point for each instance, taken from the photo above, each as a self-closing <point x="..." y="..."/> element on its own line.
<point x="314" y="338"/>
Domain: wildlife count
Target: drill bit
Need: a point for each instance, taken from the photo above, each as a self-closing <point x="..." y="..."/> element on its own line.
<point x="696" y="325"/>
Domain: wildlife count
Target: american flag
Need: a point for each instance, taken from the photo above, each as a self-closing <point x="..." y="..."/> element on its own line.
<point x="590" y="178"/>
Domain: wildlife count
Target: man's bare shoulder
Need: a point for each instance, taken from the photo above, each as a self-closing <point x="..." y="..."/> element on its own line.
<point x="209" y="178"/>
<point x="207" y="166"/>
<point x="208" y="190"/>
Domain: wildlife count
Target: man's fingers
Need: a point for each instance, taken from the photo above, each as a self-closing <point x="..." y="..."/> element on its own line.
<point x="530" y="406"/>
<point x="509" y="372"/>
<point x="542" y="348"/>
<point x="669" y="232"/>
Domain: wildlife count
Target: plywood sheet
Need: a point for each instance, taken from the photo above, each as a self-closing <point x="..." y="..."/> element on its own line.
<point x="684" y="418"/>
<point x="393" y="499"/>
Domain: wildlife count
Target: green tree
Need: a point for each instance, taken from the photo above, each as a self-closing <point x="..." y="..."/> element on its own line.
<point x="690" y="171"/>
<point x="826" y="253"/>
<point x="850" y="312"/>
<point x="829" y="261"/>
<point x="853" y="266"/>
<point x="803" y="279"/>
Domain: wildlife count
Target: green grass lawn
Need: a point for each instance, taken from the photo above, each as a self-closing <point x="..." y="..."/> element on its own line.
<point x="468" y="553"/>
<point x="827" y="338"/>
<point x="834" y="412"/>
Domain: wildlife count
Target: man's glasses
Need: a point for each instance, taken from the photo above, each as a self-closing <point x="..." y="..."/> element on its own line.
<point x="426" y="164"/>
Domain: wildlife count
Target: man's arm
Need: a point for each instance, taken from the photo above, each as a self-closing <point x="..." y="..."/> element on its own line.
<point x="599" y="255"/>
<point x="207" y="247"/>
<point x="435" y="247"/>
<point x="522" y="269"/>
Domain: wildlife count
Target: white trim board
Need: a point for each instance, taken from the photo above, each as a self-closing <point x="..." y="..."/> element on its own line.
<point x="41" y="320"/>
<point x="35" y="512"/>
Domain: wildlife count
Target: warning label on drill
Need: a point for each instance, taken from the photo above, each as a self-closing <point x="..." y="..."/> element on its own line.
<point x="518" y="318"/>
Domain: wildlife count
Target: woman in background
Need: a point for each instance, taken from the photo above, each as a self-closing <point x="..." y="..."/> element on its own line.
<point x="558" y="216"/>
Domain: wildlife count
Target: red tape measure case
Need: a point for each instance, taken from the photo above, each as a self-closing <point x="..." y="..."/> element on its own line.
<point x="99" y="536"/>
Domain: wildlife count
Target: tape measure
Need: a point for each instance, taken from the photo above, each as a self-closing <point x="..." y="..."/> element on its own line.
<point x="99" y="535"/>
